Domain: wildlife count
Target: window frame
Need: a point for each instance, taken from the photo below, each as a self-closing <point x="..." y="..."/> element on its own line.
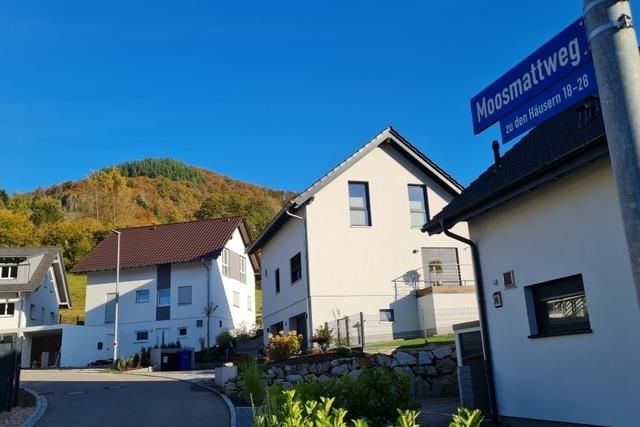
<point x="386" y="310"/>
<point x="140" y="292"/>
<point x="277" y="280"/>
<point x="243" y="269"/>
<point x="564" y="288"/>
<point x="106" y="307"/>
<point x="11" y="269"/>
<point x="160" y="293"/>
<point x="233" y="299"/>
<point x="138" y="339"/>
<point x="424" y="201"/>
<point x="186" y="332"/>
<point x="297" y="270"/>
<point x="224" y="261"/>
<point x="190" y="295"/>
<point x="367" y="207"/>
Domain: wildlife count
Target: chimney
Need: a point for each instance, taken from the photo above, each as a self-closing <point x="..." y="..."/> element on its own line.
<point x="496" y="155"/>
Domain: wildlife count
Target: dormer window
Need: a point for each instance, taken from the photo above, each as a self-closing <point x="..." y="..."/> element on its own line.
<point x="8" y="271"/>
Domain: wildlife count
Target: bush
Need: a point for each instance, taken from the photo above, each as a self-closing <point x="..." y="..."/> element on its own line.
<point x="250" y="381"/>
<point x="467" y="418"/>
<point x="224" y="338"/>
<point x="323" y="337"/>
<point x="287" y="408"/>
<point x="282" y="346"/>
<point x="374" y="395"/>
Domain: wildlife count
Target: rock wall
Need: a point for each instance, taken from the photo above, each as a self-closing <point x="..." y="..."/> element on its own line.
<point x="433" y="371"/>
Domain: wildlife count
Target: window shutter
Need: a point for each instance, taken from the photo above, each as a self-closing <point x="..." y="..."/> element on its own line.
<point x="573" y="286"/>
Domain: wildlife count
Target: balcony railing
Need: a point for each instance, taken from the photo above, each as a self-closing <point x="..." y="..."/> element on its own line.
<point x="438" y="274"/>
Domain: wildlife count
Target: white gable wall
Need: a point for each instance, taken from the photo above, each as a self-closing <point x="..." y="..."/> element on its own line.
<point x="570" y="226"/>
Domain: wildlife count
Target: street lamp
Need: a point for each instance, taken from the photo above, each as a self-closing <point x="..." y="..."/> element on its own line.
<point x="115" y="332"/>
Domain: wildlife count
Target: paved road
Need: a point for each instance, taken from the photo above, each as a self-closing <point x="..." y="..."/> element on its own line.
<point x="98" y="399"/>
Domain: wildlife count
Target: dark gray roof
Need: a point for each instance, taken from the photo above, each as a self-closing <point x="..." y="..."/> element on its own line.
<point x="563" y="143"/>
<point x="387" y="136"/>
<point x="44" y="257"/>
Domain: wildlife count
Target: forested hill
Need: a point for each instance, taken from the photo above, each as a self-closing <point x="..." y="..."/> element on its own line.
<point x="76" y="215"/>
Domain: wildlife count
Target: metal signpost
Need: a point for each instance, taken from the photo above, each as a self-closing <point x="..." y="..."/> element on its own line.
<point x="551" y="79"/>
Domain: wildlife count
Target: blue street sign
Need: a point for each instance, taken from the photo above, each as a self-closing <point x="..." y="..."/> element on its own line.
<point x="555" y="99"/>
<point x="565" y="53"/>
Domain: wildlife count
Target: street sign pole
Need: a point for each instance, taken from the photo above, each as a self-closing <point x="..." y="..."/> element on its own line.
<point x="614" y="48"/>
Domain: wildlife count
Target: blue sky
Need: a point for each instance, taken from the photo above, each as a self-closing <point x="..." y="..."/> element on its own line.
<point x="274" y="93"/>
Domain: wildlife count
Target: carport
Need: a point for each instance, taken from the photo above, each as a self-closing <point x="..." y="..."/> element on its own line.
<point x="41" y="347"/>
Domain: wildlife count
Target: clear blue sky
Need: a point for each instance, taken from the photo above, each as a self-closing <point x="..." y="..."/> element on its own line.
<point x="274" y="93"/>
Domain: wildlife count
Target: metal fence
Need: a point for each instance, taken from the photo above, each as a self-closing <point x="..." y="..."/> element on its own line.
<point x="438" y="274"/>
<point x="10" y="354"/>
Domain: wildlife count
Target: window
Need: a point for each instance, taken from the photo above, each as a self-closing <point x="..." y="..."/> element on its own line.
<point x="199" y="323"/>
<point x="142" y="297"/>
<point x="142" y="336"/>
<point x="386" y="315"/>
<point x="52" y="316"/>
<point x="296" y="267"/>
<point x="359" y="204"/>
<point x="277" y="279"/>
<point x="184" y="295"/>
<point x="249" y="304"/>
<point x="164" y="297"/>
<point x="560" y="307"/>
<point x="32" y="312"/>
<point x="110" y="308"/>
<point x="8" y="271"/>
<point x="236" y="299"/>
<point x="418" y="206"/>
<point x="225" y="262"/>
<point x="182" y="331"/>
<point x="243" y="269"/>
<point x="42" y="316"/>
<point x="220" y="323"/>
<point x="7" y="309"/>
<point x="100" y="345"/>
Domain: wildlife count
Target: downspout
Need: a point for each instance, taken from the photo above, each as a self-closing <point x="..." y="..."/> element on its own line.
<point x="208" y="303"/>
<point x="306" y="258"/>
<point x="484" y="324"/>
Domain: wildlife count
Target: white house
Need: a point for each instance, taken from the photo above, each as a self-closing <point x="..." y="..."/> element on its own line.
<point x="351" y="243"/>
<point x="562" y="323"/>
<point x="169" y="274"/>
<point x="33" y="286"/>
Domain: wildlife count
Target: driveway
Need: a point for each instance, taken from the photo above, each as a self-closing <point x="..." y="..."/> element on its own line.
<point x="99" y="399"/>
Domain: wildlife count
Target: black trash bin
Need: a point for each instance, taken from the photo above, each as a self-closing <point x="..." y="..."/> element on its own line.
<point x="169" y="362"/>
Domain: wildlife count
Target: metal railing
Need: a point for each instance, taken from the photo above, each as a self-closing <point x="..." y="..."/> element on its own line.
<point x="438" y="274"/>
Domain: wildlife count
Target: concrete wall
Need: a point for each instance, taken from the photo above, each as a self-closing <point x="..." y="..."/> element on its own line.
<point x="439" y="310"/>
<point x="571" y="226"/>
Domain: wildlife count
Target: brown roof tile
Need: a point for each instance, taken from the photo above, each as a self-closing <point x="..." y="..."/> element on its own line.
<point x="161" y="244"/>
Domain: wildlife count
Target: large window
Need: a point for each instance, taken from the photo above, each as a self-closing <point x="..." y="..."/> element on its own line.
<point x="387" y="315"/>
<point x="243" y="269"/>
<point x="142" y="296"/>
<point x="359" y="211"/>
<point x="164" y="297"/>
<point x="296" y="267"/>
<point x="225" y="262"/>
<point x="418" y="206"/>
<point x="277" y="280"/>
<point x="184" y="295"/>
<point x="560" y="306"/>
<point x="7" y="309"/>
<point x="8" y="271"/>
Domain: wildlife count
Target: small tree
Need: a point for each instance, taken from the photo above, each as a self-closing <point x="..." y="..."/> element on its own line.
<point x="208" y="311"/>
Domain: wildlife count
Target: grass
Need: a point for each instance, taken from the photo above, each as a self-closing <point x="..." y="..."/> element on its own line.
<point x="77" y="288"/>
<point x="409" y="343"/>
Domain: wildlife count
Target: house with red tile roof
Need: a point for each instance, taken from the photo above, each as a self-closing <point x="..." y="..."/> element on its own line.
<point x="169" y="273"/>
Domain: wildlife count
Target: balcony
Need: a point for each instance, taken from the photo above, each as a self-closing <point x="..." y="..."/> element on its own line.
<point x="437" y="274"/>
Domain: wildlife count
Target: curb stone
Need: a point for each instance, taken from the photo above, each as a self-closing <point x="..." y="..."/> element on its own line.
<point x="38" y="411"/>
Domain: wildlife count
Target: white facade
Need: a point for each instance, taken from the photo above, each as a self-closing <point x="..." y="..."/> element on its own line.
<point x="351" y="269"/>
<point x="138" y="321"/>
<point x="570" y="226"/>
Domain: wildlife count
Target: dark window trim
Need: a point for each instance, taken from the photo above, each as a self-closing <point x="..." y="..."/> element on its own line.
<point x="368" y="200"/>
<point x="426" y="204"/>
<point x="142" y="339"/>
<point x="298" y="269"/>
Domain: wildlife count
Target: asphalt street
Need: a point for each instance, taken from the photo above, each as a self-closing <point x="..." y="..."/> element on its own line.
<point x="99" y="399"/>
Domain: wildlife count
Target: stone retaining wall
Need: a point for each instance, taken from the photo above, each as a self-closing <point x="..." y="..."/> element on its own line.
<point x="433" y="371"/>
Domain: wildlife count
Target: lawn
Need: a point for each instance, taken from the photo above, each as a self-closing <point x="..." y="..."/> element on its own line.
<point x="409" y="343"/>
<point x="77" y="287"/>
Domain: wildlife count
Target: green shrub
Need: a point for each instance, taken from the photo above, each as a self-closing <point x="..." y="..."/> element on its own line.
<point x="250" y="381"/>
<point x="467" y="418"/>
<point x="288" y="409"/>
<point x="323" y="337"/>
<point x="224" y="338"/>
<point x="282" y="346"/>
<point x="136" y="360"/>
<point x="121" y="364"/>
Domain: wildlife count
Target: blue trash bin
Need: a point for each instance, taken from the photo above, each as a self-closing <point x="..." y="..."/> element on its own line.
<point x="184" y="360"/>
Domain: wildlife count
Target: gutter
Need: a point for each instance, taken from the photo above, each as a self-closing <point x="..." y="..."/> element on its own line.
<point x="484" y="324"/>
<point x="306" y="259"/>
